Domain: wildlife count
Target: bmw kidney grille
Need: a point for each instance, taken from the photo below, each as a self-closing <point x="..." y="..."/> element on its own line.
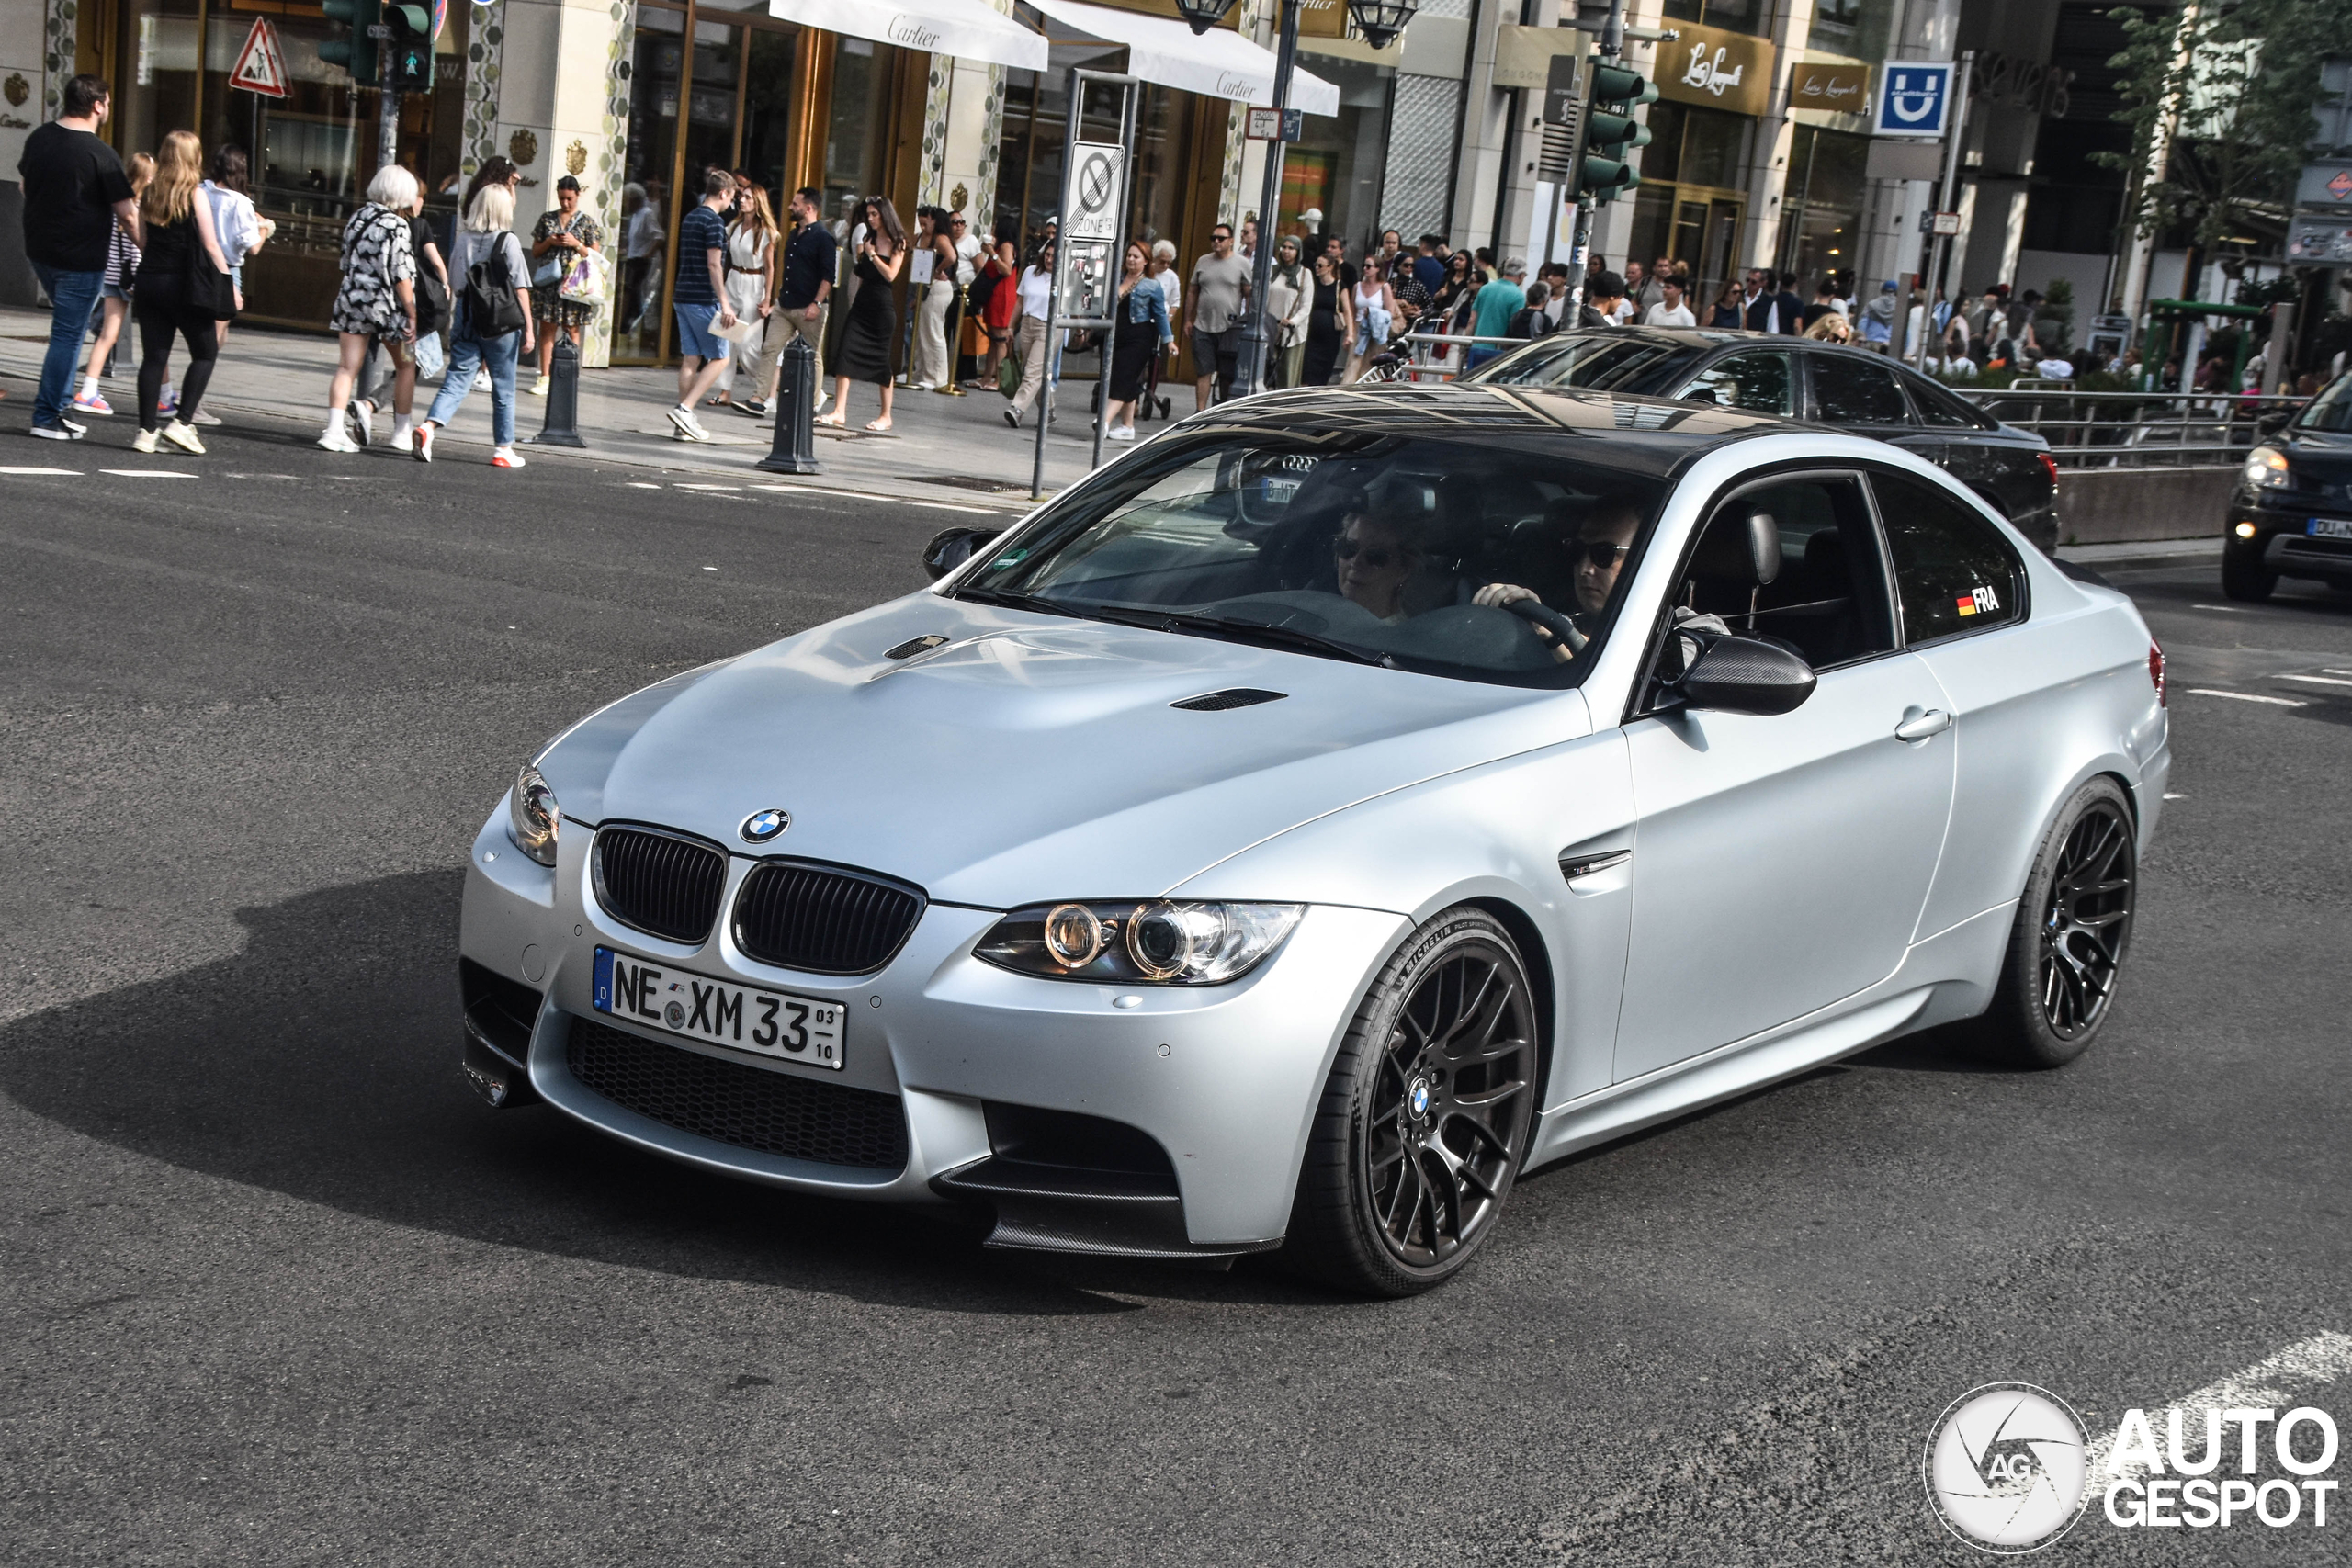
<point x="823" y="920"/>
<point x="659" y="883"/>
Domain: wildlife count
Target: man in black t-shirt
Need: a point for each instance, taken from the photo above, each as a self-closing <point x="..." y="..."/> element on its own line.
<point x="807" y="259"/>
<point x="75" y="192"/>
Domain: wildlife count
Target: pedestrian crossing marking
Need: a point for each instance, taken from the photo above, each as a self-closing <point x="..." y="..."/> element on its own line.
<point x="148" y="473"/>
<point x="70" y="473"/>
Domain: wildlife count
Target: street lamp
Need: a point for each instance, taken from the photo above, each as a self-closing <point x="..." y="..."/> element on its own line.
<point x="1201" y="15"/>
<point x="1381" y="20"/>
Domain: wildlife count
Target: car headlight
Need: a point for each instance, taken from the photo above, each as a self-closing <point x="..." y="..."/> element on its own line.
<point x="531" y="816"/>
<point x="2266" y="468"/>
<point x="1149" y="941"/>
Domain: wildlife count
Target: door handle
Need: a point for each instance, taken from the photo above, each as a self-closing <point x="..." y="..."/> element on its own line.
<point x="1918" y="725"/>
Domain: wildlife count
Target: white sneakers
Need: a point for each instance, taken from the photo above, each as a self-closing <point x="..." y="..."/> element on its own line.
<point x="338" y="439"/>
<point x="142" y="442"/>
<point x="505" y="457"/>
<point x="182" y="435"/>
<point x="423" y="450"/>
<point x="689" y="428"/>
<point x="1120" y="433"/>
<point x="363" y="415"/>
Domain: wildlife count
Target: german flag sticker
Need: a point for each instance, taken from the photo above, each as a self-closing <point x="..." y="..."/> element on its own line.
<point x="1968" y="604"/>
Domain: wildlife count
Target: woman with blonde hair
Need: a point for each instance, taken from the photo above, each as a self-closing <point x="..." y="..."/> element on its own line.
<point x="1831" y="328"/>
<point x="479" y="340"/>
<point x="377" y="303"/>
<point x="751" y="292"/>
<point x="114" y="293"/>
<point x="176" y="290"/>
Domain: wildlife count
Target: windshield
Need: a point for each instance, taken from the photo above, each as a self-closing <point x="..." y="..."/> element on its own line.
<point x="1446" y="557"/>
<point x="2331" y="411"/>
<point x="1595" y="359"/>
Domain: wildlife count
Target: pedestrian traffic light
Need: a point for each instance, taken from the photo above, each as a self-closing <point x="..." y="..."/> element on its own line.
<point x="354" y="50"/>
<point x="1610" y="132"/>
<point x="411" y="47"/>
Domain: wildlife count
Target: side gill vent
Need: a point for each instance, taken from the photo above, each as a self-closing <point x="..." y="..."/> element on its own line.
<point x="913" y="646"/>
<point x="1231" y="697"/>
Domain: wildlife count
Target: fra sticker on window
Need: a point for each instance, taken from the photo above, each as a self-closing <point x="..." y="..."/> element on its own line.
<point x="1981" y="601"/>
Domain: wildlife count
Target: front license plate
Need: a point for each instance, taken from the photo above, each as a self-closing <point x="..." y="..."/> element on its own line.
<point x="2331" y="528"/>
<point x="791" y="1029"/>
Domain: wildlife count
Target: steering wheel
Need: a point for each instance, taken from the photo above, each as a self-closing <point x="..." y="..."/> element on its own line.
<point x="1537" y="613"/>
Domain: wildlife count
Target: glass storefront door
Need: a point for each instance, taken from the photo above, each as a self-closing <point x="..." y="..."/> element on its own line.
<point x="650" y="170"/>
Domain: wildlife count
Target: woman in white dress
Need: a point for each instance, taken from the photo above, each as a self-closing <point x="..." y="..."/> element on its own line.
<point x="1375" y="310"/>
<point x="750" y="277"/>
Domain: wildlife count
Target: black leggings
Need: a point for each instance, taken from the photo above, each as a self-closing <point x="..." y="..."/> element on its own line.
<point x="157" y="322"/>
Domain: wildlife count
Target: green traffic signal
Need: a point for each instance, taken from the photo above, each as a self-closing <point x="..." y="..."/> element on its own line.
<point x="411" y="47"/>
<point x="355" y="51"/>
<point x="1615" y="130"/>
<point x="1609" y="135"/>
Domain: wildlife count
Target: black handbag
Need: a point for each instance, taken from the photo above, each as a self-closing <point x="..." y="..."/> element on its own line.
<point x="491" y="308"/>
<point x="207" y="292"/>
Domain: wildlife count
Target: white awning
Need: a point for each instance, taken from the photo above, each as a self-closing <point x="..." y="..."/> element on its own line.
<point x="1220" y="62"/>
<point x="967" y="29"/>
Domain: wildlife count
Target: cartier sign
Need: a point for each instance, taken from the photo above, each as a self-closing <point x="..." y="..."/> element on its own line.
<point x="1843" y="89"/>
<point x="1722" y="70"/>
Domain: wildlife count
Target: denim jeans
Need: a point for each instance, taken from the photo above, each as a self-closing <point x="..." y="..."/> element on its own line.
<point x="73" y="296"/>
<point x="467" y="352"/>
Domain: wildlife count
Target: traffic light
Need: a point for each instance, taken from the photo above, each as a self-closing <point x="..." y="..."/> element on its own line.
<point x="1610" y="132"/>
<point x="355" y="51"/>
<point x="411" y="47"/>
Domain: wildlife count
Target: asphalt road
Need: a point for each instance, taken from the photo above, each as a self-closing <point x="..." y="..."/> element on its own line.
<point x="275" y="1288"/>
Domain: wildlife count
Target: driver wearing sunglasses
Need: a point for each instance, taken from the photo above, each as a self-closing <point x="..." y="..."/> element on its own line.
<point x="1604" y="540"/>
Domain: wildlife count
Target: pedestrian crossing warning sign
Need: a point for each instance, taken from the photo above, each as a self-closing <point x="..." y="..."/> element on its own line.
<point x="261" y="64"/>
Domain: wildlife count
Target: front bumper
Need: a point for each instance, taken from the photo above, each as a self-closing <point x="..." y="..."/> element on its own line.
<point x="2284" y="543"/>
<point x="1225" y="1079"/>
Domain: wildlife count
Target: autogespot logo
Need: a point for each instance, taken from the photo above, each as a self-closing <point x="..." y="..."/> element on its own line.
<point x="2008" y="1468"/>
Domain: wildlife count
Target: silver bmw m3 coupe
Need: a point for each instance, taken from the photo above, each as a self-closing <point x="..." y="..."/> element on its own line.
<point x="1344" y="802"/>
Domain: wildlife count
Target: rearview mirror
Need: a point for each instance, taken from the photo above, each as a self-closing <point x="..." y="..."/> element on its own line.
<point x="953" y="546"/>
<point x="1739" y="674"/>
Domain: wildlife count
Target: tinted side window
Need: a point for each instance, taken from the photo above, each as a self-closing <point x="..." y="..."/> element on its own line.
<point x="1829" y="601"/>
<point x="1854" y="392"/>
<point x="1953" y="572"/>
<point x="1765" y="382"/>
<point x="1940" y="408"/>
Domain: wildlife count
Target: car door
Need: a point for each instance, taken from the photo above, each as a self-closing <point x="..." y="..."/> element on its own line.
<point x="1863" y="393"/>
<point x="1780" y="863"/>
<point x="2004" y="466"/>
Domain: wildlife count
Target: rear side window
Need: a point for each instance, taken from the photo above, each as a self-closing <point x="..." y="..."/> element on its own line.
<point x="1855" y="391"/>
<point x="1765" y="382"/>
<point x="1954" y="573"/>
<point x="1940" y="408"/>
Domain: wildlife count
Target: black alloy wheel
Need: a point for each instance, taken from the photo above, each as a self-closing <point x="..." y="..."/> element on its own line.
<point x="2067" y="944"/>
<point x="2085" y="920"/>
<point x="1426" y="1116"/>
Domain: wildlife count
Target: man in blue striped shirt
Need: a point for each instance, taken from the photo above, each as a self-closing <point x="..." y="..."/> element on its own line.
<point x="699" y="299"/>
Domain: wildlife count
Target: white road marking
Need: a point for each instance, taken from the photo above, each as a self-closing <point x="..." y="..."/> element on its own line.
<point x="2270" y="1383"/>
<point x="2225" y="609"/>
<point x="72" y="472"/>
<point x="2176" y="797"/>
<point x="640" y="484"/>
<point x="2246" y="697"/>
<point x="148" y="473"/>
<point x="2335" y="672"/>
<point x="710" y="569"/>
<point x="2317" y="679"/>
<point x="709" y="487"/>
<point x="951" y="507"/>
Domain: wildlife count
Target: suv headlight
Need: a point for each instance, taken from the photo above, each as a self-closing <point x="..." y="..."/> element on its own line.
<point x="1150" y="941"/>
<point x="2266" y="468"/>
<point x="531" y="816"/>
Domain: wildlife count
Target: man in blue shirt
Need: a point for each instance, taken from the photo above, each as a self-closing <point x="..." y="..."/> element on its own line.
<point x="699" y="299"/>
<point x="1428" y="268"/>
<point x="1497" y="303"/>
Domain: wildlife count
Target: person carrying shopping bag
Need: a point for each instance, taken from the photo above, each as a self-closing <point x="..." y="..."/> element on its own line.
<point x="562" y="235"/>
<point x="493" y="324"/>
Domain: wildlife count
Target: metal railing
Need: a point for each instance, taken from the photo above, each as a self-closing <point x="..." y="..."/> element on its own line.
<point x="2137" y="430"/>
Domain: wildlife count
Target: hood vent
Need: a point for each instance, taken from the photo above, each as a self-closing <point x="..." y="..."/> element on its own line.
<point x="913" y="646"/>
<point x="1231" y="697"/>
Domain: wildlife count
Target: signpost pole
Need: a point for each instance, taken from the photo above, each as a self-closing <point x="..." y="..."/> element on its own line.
<point x="1117" y="311"/>
<point x="1051" y="346"/>
<point x="388" y="101"/>
<point x="1955" y="127"/>
<point x="1255" y="337"/>
<point x="1094" y="200"/>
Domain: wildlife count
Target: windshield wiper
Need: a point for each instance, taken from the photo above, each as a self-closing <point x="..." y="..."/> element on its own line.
<point x="1008" y="599"/>
<point x="1264" y="633"/>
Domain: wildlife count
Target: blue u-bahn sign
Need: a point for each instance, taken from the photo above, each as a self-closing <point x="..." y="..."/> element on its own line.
<point x="1914" y="97"/>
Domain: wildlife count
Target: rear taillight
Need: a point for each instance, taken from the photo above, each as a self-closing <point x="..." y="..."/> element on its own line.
<point x="2157" y="670"/>
<point x="2050" y="467"/>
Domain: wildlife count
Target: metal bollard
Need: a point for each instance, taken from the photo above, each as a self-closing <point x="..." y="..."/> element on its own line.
<point x="794" y="451"/>
<point x="563" y="395"/>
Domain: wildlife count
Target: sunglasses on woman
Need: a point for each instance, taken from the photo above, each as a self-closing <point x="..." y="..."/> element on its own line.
<point x="1377" y="556"/>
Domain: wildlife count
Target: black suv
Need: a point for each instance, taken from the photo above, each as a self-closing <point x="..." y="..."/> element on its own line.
<point x="1850" y="388"/>
<point x="2292" y="514"/>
